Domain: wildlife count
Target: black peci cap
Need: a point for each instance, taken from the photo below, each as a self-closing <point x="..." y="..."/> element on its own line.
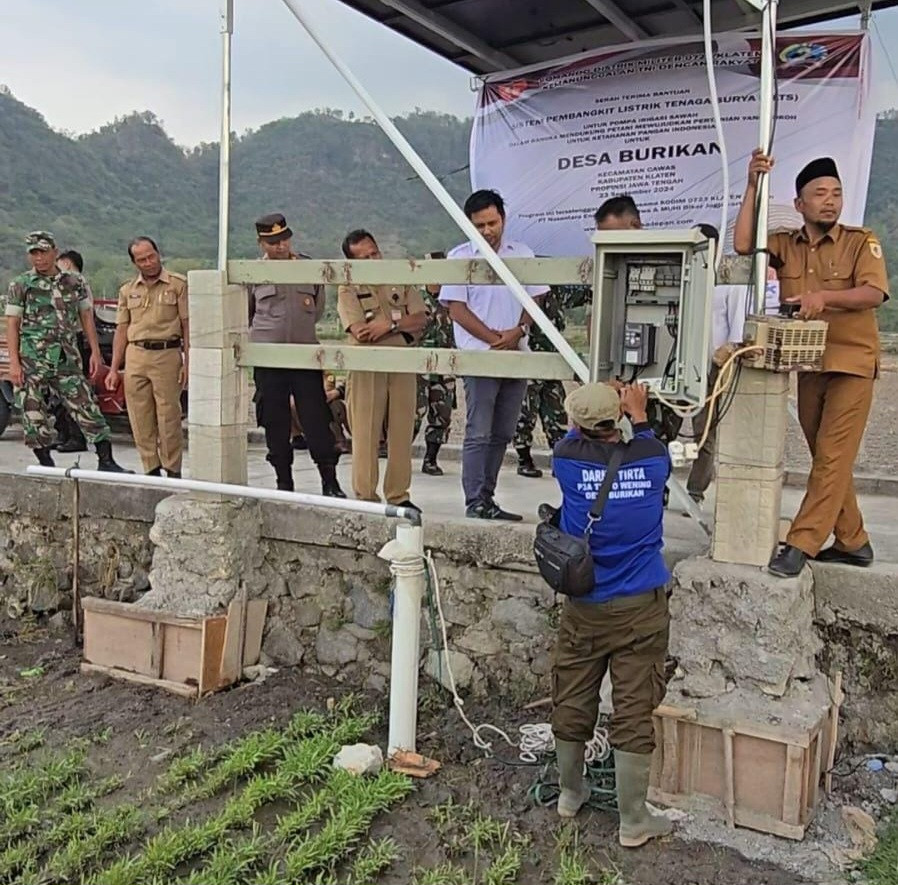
<point x="822" y="167"/>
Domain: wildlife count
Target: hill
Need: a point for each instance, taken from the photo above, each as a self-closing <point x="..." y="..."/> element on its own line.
<point x="326" y="171"/>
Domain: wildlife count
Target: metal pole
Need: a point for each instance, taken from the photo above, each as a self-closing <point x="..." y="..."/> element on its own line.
<point x="76" y="559"/>
<point x="495" y="262"/>
<point x="224" y="155"/>
<point x="765" y="131"/>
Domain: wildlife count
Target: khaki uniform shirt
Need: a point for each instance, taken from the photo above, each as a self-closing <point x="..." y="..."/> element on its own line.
<point x="286" y="313"/>
<point x="153" y="313"/>
<point x="846" y="258"/>
<point x="361" y="304"/>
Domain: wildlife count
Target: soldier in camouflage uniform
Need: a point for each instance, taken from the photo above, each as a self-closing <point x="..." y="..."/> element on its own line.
<point x="45" y="308"/>
<point x="545" y="398"/>
<point x="436" y="393"/>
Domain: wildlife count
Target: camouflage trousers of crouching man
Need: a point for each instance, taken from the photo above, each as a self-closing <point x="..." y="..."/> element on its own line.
<point x="65" y="379"/>
<point x="627" y="635"/>
<point x="436" y="400"/>
<point x="544" y="400"/>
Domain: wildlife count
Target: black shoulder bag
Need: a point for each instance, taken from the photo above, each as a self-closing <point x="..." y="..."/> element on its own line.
<point x="565" y="561"/>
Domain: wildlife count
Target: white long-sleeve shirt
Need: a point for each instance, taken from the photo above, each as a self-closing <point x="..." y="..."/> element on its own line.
<point x="728" y="311"/>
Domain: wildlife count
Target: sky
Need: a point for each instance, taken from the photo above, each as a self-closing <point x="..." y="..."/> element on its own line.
<point x="118" y="56"/>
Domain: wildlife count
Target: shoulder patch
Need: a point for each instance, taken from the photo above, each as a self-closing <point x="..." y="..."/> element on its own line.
<point x="875" y="248"/>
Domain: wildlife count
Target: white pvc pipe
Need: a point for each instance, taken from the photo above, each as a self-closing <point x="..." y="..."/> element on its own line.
<point x="223" y="488"/>
<point x="765" y="130"/>
<point x="495" y="262"/>
<point x="404" y="659"/>
<point x="224" y="156"/>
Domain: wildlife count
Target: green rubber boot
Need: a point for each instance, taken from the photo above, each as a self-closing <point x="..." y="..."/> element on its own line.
<point x="637" y="824"/>
<point x="575" y="789"/>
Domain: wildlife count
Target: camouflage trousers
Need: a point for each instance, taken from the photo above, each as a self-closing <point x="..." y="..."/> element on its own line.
<point x="66" y="380"/>
<point x="436" y="400"/>
<point x="544" y="400"/>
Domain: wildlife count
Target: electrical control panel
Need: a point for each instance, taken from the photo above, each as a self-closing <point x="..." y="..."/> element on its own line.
<point x="651" y="317"/>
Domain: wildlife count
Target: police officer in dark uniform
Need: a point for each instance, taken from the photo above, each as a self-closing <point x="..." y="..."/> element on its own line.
<point x="287" y="314"/>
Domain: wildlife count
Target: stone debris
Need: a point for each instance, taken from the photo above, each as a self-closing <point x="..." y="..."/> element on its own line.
<point x="360" y="759"/>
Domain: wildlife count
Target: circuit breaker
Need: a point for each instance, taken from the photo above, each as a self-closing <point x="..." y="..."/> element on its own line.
<point x="651" y="318"/>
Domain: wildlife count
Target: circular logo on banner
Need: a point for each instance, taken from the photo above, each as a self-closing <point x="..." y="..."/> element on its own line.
<point x="803" y="54"/>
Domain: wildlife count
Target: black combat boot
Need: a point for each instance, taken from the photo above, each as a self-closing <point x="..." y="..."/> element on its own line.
<point x="156" y="471"/>
<point x="44" y="458"/>
<point x="173" y="474"/>
<point x="526" y="467"/>
<point x="330" y="488"/>
<point x="105" y="461"/>
<point x="430" y="466"/>
<point x="284" y="475"/>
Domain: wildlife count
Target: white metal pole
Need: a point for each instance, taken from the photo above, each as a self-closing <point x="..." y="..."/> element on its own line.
<point x="409" y="568"/>
<point x="224" y="156"/>
<point x="570" y="355"/>
<point x="766" y="112"/>
<point x="223" y="488"/>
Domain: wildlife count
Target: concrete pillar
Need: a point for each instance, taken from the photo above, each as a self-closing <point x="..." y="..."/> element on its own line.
<point x="219" y="390"/>
<point x="750" y="451"/>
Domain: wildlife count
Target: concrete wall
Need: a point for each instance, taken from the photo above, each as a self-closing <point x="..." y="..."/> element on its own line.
<point x="329" y="594"/>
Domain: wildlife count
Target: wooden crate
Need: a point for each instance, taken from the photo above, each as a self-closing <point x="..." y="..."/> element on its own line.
<point x="188" y="656"/>
<point x="758" y="776"/>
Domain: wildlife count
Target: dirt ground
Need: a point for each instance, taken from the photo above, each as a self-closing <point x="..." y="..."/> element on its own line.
<point x="138" y="724"/>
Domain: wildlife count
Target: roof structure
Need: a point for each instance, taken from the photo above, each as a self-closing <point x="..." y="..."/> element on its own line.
<point x="487" y="36"/>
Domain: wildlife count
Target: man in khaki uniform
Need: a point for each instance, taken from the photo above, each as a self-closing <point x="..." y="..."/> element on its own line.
<point x="389" y="316"/>
<point x="835" y="273"/>
<point x="153" y="327"/>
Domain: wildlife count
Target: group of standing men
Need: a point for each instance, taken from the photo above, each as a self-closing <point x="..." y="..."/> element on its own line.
<point x="45" y="309"/>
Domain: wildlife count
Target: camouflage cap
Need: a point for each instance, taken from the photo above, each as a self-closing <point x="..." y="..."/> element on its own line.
<point x="40" y="241"/>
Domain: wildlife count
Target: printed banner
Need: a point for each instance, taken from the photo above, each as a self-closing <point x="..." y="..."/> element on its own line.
<point x="637" y="119"/>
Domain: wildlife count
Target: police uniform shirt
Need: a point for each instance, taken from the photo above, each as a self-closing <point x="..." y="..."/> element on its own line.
<point x="361" y="304"/>
<point x="845" y="258"/>
<point x="286" y="313"/>
<point x="153" y="312"/>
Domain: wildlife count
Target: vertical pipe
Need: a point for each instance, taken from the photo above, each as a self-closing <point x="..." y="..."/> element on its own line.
<point x="224" y="156"/>
<point x="409" y="572"/>
<point x="766" y="111"/>
<point x="76" y="559"/>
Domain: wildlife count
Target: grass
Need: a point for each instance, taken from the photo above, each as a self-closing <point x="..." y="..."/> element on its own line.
<point x="881" y="868"/>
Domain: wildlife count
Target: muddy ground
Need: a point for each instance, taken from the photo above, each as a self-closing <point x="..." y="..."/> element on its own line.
<point x="139" y="723"/>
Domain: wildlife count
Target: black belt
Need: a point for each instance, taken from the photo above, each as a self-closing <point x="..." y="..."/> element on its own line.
<point x="158" y="345"/>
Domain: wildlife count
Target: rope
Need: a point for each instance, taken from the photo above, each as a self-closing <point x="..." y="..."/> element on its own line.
<point x="535" y="739"/>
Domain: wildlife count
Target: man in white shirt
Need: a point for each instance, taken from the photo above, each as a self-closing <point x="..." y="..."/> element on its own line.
<point x="488" y="318"/>
<point x="728" y="311"/>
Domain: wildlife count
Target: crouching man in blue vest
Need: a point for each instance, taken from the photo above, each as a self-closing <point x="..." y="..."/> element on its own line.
<point x="623" y="623"/>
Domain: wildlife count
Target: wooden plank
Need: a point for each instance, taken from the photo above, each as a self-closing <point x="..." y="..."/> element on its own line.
<point x="833" y="733"/>
<point x="129" y="610"/>
<point x="793" y="785"/>
<point x="158" y="651"/>
<point x="183" y="654"/>
<point x="187" y="691"/>
<point x="213" y="639"/>
<point x="766" y="824"/>
<point x="114" y="641"/>
<point x="670" y="767"/>
<point x="232" y="653"/>
<point x="669" y="711"/>
<point x="729" y="782"/>
<point x="256" y="611"/>
<point x="814" y="775"/>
